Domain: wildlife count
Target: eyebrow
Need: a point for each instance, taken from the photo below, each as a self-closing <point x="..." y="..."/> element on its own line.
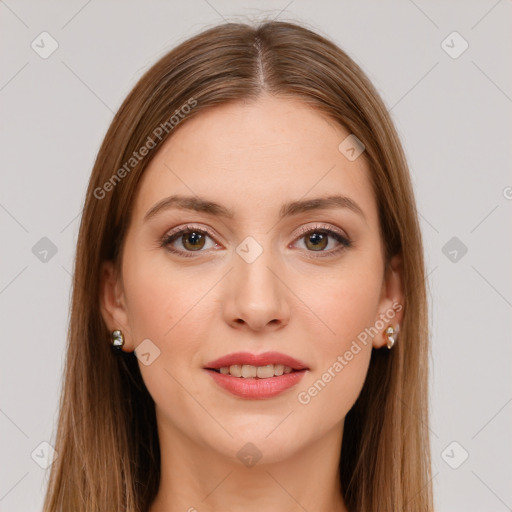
<point x="291" y="208"/>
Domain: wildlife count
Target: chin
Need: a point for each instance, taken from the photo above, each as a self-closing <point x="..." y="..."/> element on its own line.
<point x="256" y="446"/>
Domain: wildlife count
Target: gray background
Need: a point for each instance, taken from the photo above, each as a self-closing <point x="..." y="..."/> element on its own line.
<point x="453" y="116"/>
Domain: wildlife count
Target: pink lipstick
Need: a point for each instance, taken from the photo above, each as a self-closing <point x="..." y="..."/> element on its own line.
<point x="256" y="376"/>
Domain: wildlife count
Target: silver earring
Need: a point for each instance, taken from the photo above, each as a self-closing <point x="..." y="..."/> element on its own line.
<point x="390" y="335"/>
<point x="117" y="339"/>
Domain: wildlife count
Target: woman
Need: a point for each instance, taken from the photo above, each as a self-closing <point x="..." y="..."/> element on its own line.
<point x="248" y="251"/>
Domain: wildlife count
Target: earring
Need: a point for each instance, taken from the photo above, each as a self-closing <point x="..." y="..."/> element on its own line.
<point x="390" y="334"/>
<point x="117" y="339"/>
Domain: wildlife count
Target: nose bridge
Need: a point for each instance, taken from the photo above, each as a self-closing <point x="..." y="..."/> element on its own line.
<point x="257" y="296"/>
<point x="256" y="279"/>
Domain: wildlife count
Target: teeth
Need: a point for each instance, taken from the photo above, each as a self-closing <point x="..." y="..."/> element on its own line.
<point x="279" y="369"/>
<point x="235" y="370"/>
<point x="264" y="372"/>
<point x="248" y="371"/>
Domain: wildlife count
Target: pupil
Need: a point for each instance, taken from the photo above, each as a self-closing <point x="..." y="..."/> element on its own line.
<point x="194" y="236"/>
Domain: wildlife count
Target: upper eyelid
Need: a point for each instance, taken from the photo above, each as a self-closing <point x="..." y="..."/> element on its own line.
<point x="319" y="226"/>
<point x="187" y="227"/>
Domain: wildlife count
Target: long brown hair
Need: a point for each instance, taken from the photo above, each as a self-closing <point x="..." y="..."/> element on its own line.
<point x="107" y="443"/>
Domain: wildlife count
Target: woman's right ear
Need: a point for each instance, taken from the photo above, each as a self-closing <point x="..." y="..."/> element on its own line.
<point x="112" y="301"/>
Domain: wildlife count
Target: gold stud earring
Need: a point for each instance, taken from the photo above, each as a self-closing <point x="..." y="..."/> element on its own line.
<point x="390" y="334"/>
<point x="117" y="339"/>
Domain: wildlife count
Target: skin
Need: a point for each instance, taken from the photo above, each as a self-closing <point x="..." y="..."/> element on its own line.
<point x="290" y="300"/>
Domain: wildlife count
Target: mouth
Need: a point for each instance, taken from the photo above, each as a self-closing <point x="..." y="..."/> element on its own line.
<point x="245" y="365"/>
<point x="256" y="377"/>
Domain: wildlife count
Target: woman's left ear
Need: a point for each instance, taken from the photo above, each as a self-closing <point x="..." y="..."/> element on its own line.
<point x="391" y="305"/>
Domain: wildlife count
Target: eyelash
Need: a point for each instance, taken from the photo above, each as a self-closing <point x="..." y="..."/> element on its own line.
<point x="173" y="235"/>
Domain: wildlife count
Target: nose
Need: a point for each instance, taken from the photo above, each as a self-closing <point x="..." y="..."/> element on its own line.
<point x="256" y="298"/>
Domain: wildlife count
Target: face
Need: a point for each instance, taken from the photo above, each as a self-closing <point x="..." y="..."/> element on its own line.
<point x="265" y="269"/>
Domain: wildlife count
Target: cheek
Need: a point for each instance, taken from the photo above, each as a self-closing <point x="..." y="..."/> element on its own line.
<point x="348" y="307"/>
<point x="332" y="390"/>
<point x="161" y="298"/>
<point x="346" y="301"/>
<point x="168" y="306"/>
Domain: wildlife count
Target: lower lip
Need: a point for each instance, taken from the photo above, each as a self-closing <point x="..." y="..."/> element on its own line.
<point x="257" y="389"/>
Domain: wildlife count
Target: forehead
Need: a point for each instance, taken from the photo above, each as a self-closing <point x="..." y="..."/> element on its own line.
<point x="256" y="155"/>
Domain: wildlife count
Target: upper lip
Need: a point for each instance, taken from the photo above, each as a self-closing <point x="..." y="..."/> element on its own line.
<point x="264" y="359"/>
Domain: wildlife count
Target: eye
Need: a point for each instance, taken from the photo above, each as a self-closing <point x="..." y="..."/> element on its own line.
<point x="317" y="238"/>
<point x="190" y="238"/>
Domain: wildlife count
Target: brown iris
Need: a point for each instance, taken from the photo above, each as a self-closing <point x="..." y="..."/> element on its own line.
<point x="193" y="240"/>
<point x="318" y="240"/>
